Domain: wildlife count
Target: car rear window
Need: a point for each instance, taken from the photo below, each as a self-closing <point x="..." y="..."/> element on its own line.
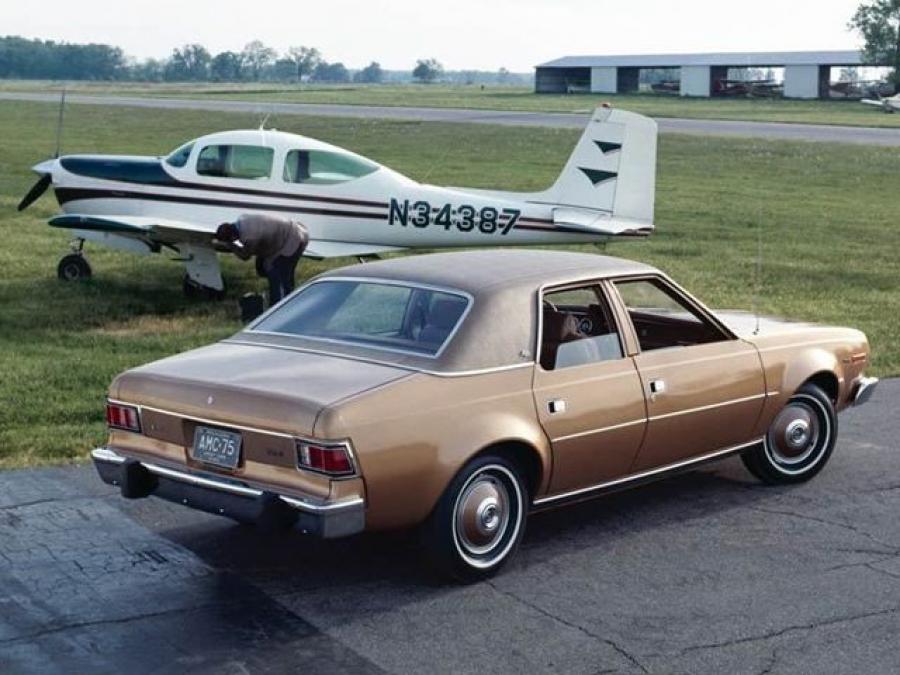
<point x="383" y="315"/>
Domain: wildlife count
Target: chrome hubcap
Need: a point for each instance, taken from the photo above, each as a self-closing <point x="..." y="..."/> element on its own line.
<point x="794" y="434"/>
<point x="482" y="514"/>
<point x="797" y="433"/>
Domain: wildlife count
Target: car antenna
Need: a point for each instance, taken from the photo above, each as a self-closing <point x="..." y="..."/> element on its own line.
<point x="59" y="121"/>
<point x="757" y="286"/>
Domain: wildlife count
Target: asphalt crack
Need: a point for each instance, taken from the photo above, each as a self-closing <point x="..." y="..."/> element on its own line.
<point x="770" y="665"/>
<point x="825" y="521"/>
<point x="631" y="658"/>
<point x="871" y="566"/>
<point x="52" y="500"/>
<point x="788" y="629"/>
<point x="52" y="630"/>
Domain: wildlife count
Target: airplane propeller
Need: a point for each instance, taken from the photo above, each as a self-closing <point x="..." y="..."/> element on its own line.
<point x="36" y="191"/>
<point x="40" y="187"/>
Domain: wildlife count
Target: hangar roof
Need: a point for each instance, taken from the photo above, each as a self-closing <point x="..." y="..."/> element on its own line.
<point x="733" y="59"/>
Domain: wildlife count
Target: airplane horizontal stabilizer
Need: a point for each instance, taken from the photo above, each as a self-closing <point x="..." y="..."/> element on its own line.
<point x="598" y="223"/>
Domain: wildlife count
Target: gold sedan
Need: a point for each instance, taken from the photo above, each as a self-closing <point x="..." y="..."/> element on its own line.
<point x="458" y="392"/>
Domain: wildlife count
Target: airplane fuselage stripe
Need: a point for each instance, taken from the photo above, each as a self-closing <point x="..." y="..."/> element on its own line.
<point x="73" y="194"/>
<point x="65" y="195"/>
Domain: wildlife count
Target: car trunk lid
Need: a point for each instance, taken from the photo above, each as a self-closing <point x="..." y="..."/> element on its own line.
<point x="250" y="385"/>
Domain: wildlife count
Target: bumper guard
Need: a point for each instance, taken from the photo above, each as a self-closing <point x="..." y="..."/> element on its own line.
<point x="865" y="387"/>
<point x="213" y="494"/>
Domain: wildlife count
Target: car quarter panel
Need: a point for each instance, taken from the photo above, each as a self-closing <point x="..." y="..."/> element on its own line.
<point x="415" y="435"/>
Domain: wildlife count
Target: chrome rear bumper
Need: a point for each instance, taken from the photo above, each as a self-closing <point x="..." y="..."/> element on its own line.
<point x="213" y="494"/>
<point x="864" y="389"/>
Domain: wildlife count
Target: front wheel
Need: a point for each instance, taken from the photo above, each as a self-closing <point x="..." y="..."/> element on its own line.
<point x="479" y="520"/>
<point x="799" y="441"/>
<point x="73" y="267"/>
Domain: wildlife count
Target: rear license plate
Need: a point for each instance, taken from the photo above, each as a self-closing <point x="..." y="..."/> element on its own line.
<point x="217" y="447"/>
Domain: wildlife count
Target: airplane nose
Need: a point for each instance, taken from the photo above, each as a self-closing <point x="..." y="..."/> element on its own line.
<point x="45" y="171"/>
<point x="47" y="166"/>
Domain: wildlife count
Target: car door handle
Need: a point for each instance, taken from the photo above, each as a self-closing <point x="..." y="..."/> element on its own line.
<point x="657" y="387"/>
<point x="556" y="406"/>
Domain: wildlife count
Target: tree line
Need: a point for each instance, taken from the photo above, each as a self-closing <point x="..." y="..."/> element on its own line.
<point x="22" y="58"/>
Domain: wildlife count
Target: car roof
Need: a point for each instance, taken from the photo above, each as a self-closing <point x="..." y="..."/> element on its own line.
<point x="482" y="271"/>
<point x="500" y="328"/>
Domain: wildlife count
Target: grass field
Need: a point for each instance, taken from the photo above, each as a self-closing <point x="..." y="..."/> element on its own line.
<point x="496" y="98"/>
<point x="827" y="215"/>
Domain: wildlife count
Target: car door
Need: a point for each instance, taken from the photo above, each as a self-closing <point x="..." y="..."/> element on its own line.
<point x="704" y="387"/>
<point x="587" y="391"/>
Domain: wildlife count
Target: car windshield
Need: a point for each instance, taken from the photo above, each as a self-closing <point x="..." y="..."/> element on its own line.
<point x="383" y="315"/>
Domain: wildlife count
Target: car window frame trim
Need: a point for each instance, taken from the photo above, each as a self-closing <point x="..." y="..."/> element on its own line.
<point x="470" y="302"/>
<point x="596" y="284"/>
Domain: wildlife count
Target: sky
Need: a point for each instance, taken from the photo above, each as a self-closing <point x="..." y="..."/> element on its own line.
<point x="461" y="34"/>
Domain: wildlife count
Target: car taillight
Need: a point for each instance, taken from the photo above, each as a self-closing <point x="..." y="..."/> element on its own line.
<point x="124" y="417"/>
<point x="330" y="458"/>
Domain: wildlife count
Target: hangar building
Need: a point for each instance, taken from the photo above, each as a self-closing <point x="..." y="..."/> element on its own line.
<point x="806" y="74"/>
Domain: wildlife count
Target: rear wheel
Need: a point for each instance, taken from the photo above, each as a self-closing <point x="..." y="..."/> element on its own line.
<point x="799" y="441"/>
<point x="479" y="520"/>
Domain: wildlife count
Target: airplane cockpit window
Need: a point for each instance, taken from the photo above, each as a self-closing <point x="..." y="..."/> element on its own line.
<point x="320" y="167"/>
<point x="236" y="161"/>
<point x="179" y="157"/>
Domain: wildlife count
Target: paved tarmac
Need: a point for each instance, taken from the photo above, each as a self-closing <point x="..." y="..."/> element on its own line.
<point x="709" y="572"/>
<point x="770" y="130"/>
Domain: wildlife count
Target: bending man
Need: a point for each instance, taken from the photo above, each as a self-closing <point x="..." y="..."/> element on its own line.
<point x="277" y="244"/>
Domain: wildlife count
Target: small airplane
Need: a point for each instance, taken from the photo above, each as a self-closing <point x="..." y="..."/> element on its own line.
<point x="351" y="205"/>
<point x="666" y="87"/>
<point x="889" y="104"/>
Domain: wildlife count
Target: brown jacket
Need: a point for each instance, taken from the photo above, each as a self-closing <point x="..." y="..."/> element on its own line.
<point x="268" y="237"/>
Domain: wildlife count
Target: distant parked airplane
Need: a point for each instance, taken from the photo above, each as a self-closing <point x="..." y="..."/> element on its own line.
<point x="889" y="105"/>
<point x="351" y="205"/>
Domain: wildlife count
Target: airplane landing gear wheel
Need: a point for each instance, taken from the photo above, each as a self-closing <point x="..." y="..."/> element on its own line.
<point x="73" y="267"/>
<point x="194" y="291"/>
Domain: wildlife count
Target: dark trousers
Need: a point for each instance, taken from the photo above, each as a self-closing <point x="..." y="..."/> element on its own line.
<point x="281" y="275"/>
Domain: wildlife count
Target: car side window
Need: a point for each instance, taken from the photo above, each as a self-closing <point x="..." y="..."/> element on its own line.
<point x="577" y="328"/>
<point x="662" y="319"/>
<point x="235" y="161"/>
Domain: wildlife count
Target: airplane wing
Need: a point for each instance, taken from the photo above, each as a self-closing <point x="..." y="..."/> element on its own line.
<point x="177" y="232"/>
<point x="871" y="101"/>
<point x="159" y="230"/>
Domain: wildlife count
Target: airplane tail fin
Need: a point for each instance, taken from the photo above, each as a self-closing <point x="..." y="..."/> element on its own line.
<point x="612" y="170"/>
